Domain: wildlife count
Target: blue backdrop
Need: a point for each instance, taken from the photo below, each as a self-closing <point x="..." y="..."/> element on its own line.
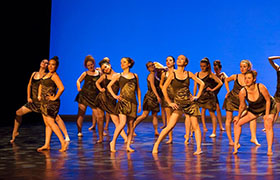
<point x="149" y="30"/>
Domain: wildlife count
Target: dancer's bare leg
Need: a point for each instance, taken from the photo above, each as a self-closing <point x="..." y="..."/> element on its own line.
<point x="203" y="119"/>
<point x="93" y="119"/>
<point x="139" y="119"/>
<point x="238" y="128"/>
<point x="188" y="128"/>
<point x="117" y="132"/>
<point x="116" y="121"/>
<point x="214" y="123"/>
<point x="129" y="134"/>
<point x="107" y="120"/>
<point x="253" y="128"/>
<point x="51" y="123"/>
<point x="277" y="113"/>
<point x="219" y="117"/>
<point x="48" y="134"/>
<point x="62" y="126"/>
<point x="155" y="122"/>
<point x="100" y="122"/>
<point x="163" y="118"/>
<point x="197" y="134"/>
<point x="18" y="119"/>
<point x="268" y="124"/>
<point x="170" y="134"/>
<point x="228" y="126"/>
<point x="170" y="125"/>
<point x="80" y="119"/>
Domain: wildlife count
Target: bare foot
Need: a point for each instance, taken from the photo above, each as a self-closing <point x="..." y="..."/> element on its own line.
<point x="269" y="153"/>
<point x="231" y="143"/>
<point x="134" y="134"/>
<point x="43" y="148"/>
<point x="112" y="147"/>
<point x="236" y="147"/>
<point x="170" y="141"/>
<point x="129" y="149"/>
<point x="99" y="141"/>
<point x="205" y="129"/>
<point x="198" y="152"/>
<point x="255" y="142"/>
<point x="80" y="134"/>
<point x="91" y="128"/>
<point x="64" y="146"/>
<point x="14" y="137"/>
<point x="104" y="133"/>
<point x="67" y="139"/>
<point x="235" y="152"/>
<point x="156" y="133"/>
<point x="222" y="129"/>
<point x="155" y="151"/>
<point x="263" y="129"/>
<point x="212" y="135"/>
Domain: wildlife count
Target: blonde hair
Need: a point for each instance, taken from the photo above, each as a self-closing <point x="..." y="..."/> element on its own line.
<point x="248" y="62"/>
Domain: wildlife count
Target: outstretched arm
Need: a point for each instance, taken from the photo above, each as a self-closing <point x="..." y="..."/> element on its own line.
<point x="272" y="63"/>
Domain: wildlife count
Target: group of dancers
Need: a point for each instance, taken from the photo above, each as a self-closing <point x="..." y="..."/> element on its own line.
<point x="118" y="95"/>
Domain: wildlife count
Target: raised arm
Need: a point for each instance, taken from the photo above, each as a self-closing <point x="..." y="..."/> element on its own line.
<point x="115" y="78"/>
<point x="79" y="80"/>
<point x="217" y="80"/>
<point x="98" y="82"/>
<point x="197" y="81"/>
<point x="195" y="86"/>
<point x="59" y="85"/>
<point x="138" y="94"/>
<point x="272" y="63"/>
<point x="227" y="80"/>
<point x="29" y="88"/>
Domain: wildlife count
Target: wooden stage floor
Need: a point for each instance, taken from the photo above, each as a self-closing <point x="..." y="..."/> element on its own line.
<point x="87" y="160"/>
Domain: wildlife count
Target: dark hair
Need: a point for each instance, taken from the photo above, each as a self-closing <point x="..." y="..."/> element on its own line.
<point x="55" y="58"/>
<point x="87" y="59"/>
<point x="206" y="60"/>
<point x="104" y="61"/>
<point x="148" y="63"/>
<point x="131" y="61"/>
<point x="253" y="72"/>
<point x="217" y="63"/>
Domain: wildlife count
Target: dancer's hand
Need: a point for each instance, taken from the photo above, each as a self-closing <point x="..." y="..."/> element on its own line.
<point x="139" y="109"/>
<point x="209" y="89"/>
<point x="51" y="98"/>
<point x="119" y="98"/>
<point x="29" y="100"/>
<point x="227" y="95"/>
<point x="103" y="90"/>
<point x="174" y="106"/>
<point x="39" y="98"/>
<point x="193" y="98"/>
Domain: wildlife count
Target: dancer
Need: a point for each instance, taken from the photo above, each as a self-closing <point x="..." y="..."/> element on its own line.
<point x="33" y="104"/>
<point x="170" y="63"/>
<point x="231" y="102"/>
<point x="151" y="100"/>
<point x="104" y="99"/>
<point x="87" y="96"/>
<point x="207" y="100"/>
<point x="127" y="104"/>
<point x="183" y="102"/>
<point x="260" y="104"/>
<point x="222" y="76"/>
<point x="49" y="92"/>
<point x="277" y="93"/>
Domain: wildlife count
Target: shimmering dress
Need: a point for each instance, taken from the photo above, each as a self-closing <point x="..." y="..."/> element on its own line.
<point x="258" y="107"/>
<point x="36" y="104"/>
<point x="207" y="99"/>
<point x="150" y="102"/>
<point x="89" y="91"/>
<point x="182" y="96"/>
<point x="277" y="93"/>
<point x="105" y="100"/>
<point x="231" y="103"/>
<point x="170" y="94"/>
<point x="48" y="107"/>
<point x="128" y="104"/>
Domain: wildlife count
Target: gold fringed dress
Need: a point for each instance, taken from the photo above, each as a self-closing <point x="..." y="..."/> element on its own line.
<point x="182" y="96"/>
<point x="89" y="91"/>
<point x="128" y="104"/>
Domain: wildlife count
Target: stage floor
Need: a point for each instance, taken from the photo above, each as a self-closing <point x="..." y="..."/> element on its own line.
<point x="87" y="160"/>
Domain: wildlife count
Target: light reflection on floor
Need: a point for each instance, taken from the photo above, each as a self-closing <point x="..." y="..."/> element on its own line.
<point x="87" y="160"/>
